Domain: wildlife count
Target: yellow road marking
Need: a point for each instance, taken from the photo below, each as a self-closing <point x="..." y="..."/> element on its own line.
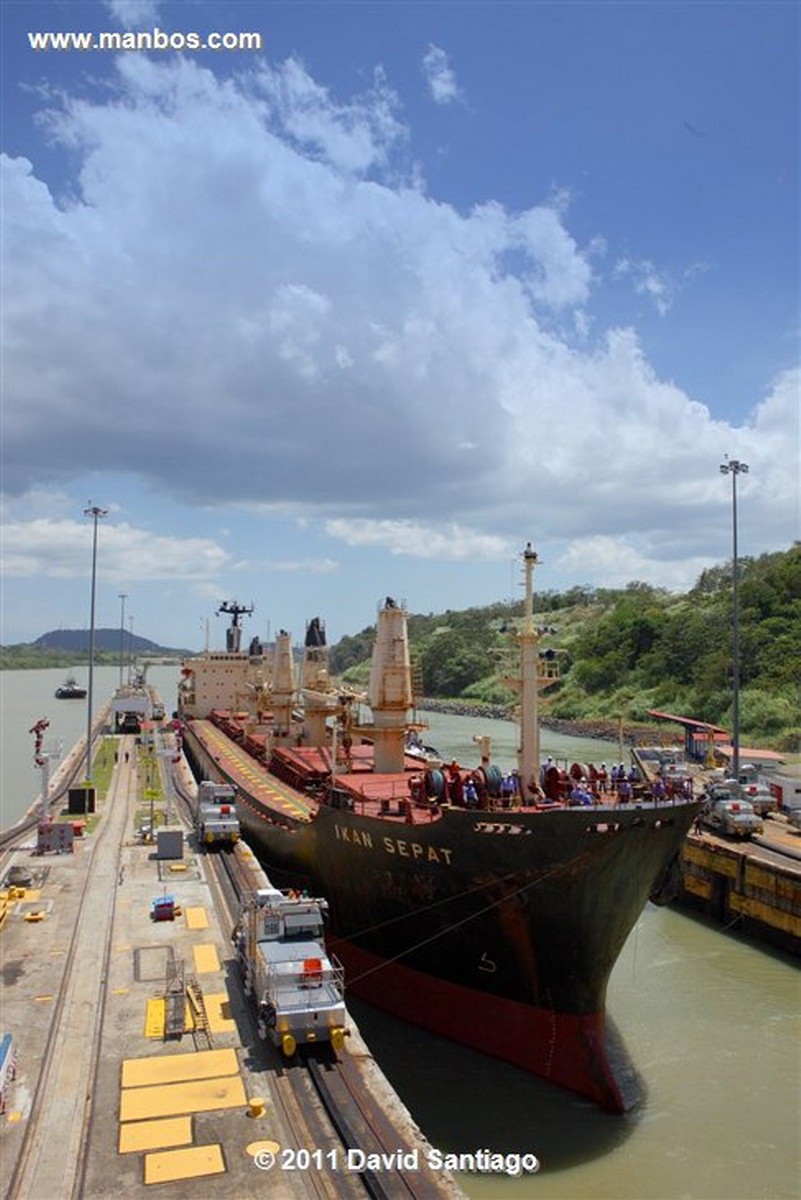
<point x="154" y="1017"/>
<point x="196" y="918"/>
<point x="265" y="1145"/>
<point x="218" y="1011"/>
<point x="172" y="1099"/>
<point x="154" y="1135"/>
<point x="206" y="960"/>
<point x="168" y="1165"/>
<point x="177" y="1068"/>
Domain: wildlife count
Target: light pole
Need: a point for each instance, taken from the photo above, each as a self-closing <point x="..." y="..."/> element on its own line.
<point x="122" y="596"/>
<point x="734" y="468"/>
<point x="95" y="513"/>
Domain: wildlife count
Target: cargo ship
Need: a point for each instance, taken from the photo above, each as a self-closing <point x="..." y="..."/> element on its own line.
<point x="489" y="915"/>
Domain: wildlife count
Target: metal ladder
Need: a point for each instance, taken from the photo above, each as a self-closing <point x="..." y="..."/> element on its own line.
<point x="174" y="1000"/>
<point x="197" y="1005"/>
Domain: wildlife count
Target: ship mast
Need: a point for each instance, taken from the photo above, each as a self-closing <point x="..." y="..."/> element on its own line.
<point x="315" y="684"/>
<point x="528" y="637"/>
<point x="233" y="634"/>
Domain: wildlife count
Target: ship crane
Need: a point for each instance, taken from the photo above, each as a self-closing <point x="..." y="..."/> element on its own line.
<point x="338" y="702"/>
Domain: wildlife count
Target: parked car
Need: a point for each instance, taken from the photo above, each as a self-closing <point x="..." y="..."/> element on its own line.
<point x="732" y="816"/>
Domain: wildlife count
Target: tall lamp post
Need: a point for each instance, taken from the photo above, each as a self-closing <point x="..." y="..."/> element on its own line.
<point x="734" y="468"/>
<point x="122" y="596"/>
<point x="95" y="513"/>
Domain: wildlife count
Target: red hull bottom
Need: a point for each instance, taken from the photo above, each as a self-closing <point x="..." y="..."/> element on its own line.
<point x="565" y="1049"/>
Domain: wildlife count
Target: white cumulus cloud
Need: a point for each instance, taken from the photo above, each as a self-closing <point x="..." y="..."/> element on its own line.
<point x="243" y="298"/>
<point x="440" y="76"/>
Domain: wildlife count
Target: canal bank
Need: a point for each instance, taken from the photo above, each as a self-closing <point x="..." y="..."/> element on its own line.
<point x="753" y="886"/>
<point x="96" y="944"/>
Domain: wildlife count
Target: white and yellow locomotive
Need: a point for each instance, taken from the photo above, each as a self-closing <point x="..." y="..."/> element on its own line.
<point x="298" y="988"/>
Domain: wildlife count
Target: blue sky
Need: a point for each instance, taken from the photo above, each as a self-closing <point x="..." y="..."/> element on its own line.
<point x="364" y="311"/>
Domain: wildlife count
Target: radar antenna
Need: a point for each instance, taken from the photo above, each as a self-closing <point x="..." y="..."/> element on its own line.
<point x="233" y="633"/>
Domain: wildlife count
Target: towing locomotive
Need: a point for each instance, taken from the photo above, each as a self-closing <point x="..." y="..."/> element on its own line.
<point x="297" y="987"/>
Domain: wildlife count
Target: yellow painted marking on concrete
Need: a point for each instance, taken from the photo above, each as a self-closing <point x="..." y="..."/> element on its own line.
<point x="196" y="918"/>
<point x="154" y="1017"/>
<point x="177" y="1068"/>
<point x="193" y="1163"/>
<point x="42" y="999"/>
<point x="170" y="1099"/>
<point x="120" y="991"/>
<point x="154" y="1135"/>
<point x="265" y="1146"/>
<point x="206" y="959"/>
<point x="13" y="1117"/>
<point x="218" y="1011"/>
<point x="175" y="867"/>
<point x="121" y="949"/>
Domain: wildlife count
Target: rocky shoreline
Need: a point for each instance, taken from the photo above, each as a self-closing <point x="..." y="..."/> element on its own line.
<point x="605" y="730"/>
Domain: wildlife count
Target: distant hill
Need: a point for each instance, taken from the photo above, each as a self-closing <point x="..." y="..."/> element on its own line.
<point x="106" y="640"/>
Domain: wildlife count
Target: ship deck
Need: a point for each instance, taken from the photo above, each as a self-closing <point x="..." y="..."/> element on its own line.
<point x="386" y="796"/>
<point x="243" y="770"/>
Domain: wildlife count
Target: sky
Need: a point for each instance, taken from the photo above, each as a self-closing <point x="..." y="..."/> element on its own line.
<point x="363" y="307"/>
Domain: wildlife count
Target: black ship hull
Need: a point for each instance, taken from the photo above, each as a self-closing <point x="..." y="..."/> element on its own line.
<point x="497" y="929"/>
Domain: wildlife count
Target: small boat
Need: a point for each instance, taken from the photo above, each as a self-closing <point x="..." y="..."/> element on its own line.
<point x="70" y="690"/>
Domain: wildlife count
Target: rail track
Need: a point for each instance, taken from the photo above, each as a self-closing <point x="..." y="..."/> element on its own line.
<point x="63" y="1094"/>
<point x="324" y="1102"/>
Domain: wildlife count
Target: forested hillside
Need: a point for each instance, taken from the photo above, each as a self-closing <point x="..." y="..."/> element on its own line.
<point x="622" y="652"/>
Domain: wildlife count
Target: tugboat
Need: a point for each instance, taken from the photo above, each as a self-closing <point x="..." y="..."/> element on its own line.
<point x="489" y="918"/>
<point x="70" y="690"/>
